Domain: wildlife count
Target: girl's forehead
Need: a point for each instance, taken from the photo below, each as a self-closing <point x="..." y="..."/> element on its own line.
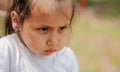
<point x="51" y="12"/>
<point x="50" y="6"/>
<point x="43" y="4"/>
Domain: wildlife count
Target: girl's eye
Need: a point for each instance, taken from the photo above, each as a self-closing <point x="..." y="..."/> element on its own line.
<point x="43" y="29"/>
<point x="63" y="28"/>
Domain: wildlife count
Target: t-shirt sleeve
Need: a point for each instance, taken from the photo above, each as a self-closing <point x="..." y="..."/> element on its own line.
<point x="73" y="63"/>
<point x="4" y="56"/>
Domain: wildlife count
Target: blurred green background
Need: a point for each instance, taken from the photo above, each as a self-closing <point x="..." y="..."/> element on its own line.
<point x="95" y="36"/>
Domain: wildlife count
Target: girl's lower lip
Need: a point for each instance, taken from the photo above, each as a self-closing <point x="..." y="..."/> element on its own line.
<point x="49" y="51"/>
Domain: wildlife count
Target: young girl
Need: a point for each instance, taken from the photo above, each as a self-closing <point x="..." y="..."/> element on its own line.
<point x="38" y="34"/>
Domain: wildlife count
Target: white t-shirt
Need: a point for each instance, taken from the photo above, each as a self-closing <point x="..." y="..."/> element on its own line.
<point x="15" y="57"/>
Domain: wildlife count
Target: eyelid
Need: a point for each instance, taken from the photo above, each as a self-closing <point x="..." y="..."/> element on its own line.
<point x="66" y="26"/>
<point x="43" y="29"/>
<point x="63" y="28"/>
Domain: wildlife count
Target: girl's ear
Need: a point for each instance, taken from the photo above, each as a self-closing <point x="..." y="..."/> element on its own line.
<point x="15" y="20"/>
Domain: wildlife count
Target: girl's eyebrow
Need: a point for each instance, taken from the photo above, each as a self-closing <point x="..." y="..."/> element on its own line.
<point x="50" y="25"/>
<point x="65" y="25"/>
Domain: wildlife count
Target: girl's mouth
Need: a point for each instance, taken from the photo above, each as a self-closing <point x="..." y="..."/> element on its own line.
<point x="50" y="51"/>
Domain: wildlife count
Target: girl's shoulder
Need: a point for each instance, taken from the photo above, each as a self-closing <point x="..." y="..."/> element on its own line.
<point x="5" y="52"/>
<point x="3" y="41"/>
<point x="8" y="45"/>
<point x="7" y="41"/>
<point x="68" y="58"/>
<point x="67" y="53"/>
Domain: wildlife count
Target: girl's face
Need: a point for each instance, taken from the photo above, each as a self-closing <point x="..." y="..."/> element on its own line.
<point x="45" y="31"/>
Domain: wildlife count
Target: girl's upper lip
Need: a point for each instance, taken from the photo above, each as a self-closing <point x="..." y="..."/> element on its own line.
<point x="50" y="50"/>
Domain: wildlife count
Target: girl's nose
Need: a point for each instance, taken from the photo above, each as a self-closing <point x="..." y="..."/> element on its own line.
<point x="53" y="41"/>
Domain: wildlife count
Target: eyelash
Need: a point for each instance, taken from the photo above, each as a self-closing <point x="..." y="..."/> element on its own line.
<point x="63" y="28"/>
<point x="44" y="29"/>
